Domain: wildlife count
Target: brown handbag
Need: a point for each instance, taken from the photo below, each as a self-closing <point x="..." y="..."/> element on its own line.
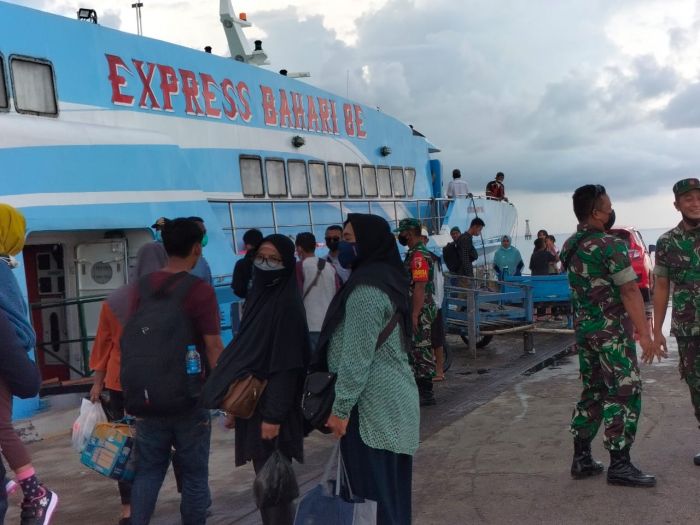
<point x="243" y="396"/>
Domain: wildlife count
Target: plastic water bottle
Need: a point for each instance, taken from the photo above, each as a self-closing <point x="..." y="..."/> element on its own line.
<point x="193" y="361"/>
<point x="193" y="365"/>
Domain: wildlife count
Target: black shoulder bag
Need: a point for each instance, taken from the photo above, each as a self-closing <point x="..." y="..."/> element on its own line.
<point x="319" y="387"/>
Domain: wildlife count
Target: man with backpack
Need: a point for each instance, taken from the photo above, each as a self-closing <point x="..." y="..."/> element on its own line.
<point x="169" y="343"/>
<point x="318" y="282"/>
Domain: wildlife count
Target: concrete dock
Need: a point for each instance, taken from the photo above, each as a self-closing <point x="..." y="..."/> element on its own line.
<point x="496" y="450"/>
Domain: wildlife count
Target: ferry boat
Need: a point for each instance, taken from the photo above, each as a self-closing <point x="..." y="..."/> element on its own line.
<point x="102" y="132"/>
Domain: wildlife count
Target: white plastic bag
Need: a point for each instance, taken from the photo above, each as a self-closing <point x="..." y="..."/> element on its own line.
<point x="90" y="414"/>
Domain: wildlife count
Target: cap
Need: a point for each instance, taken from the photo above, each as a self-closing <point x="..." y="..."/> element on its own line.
<point x="455" y="229"/>
<point x="408" y="224"/>
<point x="424" y="232"/>
<point x="159" y="223"/>
<point x="685" y="185"/>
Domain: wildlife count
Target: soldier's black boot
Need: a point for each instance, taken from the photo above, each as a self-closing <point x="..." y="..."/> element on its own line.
<point x="696" y="460"/>
<point x="425" y="392"/>
<point x="623" y="472"/>
<point x="583" y="464"/>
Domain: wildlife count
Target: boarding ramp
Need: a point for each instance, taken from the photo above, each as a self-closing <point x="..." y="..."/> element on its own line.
<point x="478" y="309"/>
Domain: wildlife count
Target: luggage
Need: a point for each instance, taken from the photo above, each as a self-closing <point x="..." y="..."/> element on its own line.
<point x="154" y="348"/>
<point x="109" y="451"/>
<point x="325" y="503"/>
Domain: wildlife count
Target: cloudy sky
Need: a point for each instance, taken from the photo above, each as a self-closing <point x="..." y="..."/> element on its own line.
<point x="555" y="94"/>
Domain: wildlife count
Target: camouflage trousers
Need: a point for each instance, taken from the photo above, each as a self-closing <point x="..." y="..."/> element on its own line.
<point x="689" y="350"/>
<point x="612" y="389"/>
<point x="422" y="358"/>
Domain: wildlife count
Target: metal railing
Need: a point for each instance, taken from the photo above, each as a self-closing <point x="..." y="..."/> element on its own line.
<point x="84" y="339"/>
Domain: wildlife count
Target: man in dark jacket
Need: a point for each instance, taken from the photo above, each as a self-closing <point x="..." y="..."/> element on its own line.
<point x="465" y="246"/>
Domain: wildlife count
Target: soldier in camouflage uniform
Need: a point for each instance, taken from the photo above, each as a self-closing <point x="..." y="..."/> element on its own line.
<point x="419" y="264"/>
<point x="678" y="263"/>
<point x="606" y="303"/>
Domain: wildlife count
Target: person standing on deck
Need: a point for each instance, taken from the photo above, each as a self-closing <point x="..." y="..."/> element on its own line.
<point x="457" y="188"/>
<point x="606" y="302"/>
<point x="419" y="265"/>
<point x="496" y="189"/>
<point x="678" y="262"/>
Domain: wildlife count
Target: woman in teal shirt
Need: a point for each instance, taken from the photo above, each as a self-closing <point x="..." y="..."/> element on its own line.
<point x="376" y="409"/>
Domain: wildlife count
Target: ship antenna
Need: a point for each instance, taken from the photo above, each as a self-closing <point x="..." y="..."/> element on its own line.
<point x="237" y="42"/>
<point x="139" y="24"/>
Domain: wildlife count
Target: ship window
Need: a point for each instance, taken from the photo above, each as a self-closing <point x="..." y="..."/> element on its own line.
<point x="297" y="178"/>
<point x="276" y="183"/>
<point x="251" y="177"/>
<point x="410" y="181"/>
<point x="33" y="86"/>
<point x="317" y="172"/>
<point x="397" y="182"/>
<point x="352" y="176"/>
<point x="335" y="177"/>
<point x="384" y="182"/>
<point x="369" y="179"/>
<point x="3" y="88"/>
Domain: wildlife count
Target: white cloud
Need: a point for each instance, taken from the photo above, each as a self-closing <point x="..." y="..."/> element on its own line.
<point x="555" y="94"/>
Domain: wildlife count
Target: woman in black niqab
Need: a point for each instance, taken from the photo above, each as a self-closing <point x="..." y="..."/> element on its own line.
<point x="272" y="344"/>
<point x="378" y="264"/>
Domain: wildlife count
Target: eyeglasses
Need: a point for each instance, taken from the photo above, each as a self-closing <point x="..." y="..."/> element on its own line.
<point x="331" y="239"/>
<point x="261" y="259"/>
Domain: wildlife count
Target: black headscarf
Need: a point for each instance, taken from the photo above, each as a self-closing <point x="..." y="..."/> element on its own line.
<point x="379" y="265"/>
<point x="273" y="336"/>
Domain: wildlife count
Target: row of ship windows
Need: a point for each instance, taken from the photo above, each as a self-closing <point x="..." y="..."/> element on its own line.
<point x="298" y="178"/>
<point x="33" y="86"/>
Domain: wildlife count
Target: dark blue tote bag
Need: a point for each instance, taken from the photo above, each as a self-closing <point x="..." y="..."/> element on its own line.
<point x="324" y="504"/>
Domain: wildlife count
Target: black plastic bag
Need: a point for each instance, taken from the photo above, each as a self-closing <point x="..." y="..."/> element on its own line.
<point x="276" y="483"/>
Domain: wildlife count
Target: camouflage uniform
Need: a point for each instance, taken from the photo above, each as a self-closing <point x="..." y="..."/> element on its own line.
<point x="678" y="259"/>
<point x="612" y="384"/>
<point x="419" y="264"/>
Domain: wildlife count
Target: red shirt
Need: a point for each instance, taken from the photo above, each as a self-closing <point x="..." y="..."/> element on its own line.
<point x="200" y="306"/>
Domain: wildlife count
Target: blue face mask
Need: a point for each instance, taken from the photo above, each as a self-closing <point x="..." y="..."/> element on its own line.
<point x="159" y="236"/>
<point x="347" y="253"/>
<point x="205" y="240"/>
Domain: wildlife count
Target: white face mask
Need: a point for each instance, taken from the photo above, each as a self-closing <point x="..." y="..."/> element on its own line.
<point x="10" y="261"/>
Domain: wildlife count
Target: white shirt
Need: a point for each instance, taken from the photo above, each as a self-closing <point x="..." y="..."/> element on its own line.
<point x="457" y="188"/>
<point x="320" y="296"/>
<point x="343" y="273"/>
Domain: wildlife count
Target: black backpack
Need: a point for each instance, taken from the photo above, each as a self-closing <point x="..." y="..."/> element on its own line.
<point x="450" y="255"/>
<point x="153" y="350"/>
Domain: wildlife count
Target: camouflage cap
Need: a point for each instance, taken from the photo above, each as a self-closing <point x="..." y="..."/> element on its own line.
<point x="685" y="185"/>
<point x="408" y="224"/>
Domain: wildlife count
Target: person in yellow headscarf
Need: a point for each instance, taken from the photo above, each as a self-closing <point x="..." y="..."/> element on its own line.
<point x="18" y="374"/>
<point x="12" y="229"/>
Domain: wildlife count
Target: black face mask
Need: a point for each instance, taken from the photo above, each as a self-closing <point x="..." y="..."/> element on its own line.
<point x="403" y="241"/>
<point x="610" y="222"/>
<point x="332" y="244"/>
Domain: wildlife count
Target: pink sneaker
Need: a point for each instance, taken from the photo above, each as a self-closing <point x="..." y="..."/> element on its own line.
<point x="39" y="510"/>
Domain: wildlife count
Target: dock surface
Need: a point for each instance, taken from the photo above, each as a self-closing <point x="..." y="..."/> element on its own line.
<point x="496" y="449"/>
